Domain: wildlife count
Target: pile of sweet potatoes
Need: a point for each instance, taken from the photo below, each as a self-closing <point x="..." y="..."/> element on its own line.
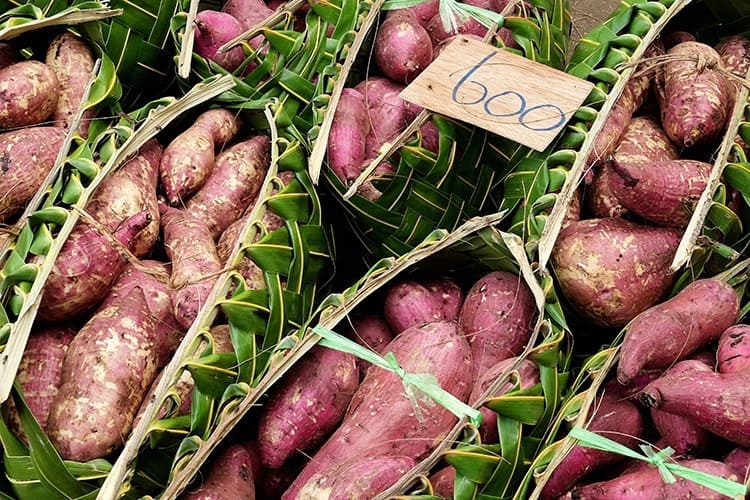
<point x="680" y="382"/>
<point x="646" y="170"/>
<point x="336" y="427"/>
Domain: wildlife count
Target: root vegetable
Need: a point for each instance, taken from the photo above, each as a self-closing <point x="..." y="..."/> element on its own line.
<point x="29" y="91"/>
<point x="448" y="295"/>
<point x="348" y="135"/>
<point x="409" y="303"/>
<point x="362" y="477"/>
<point x="212" y="30"/>
<point x="686" y="439"/>
<point x="733" y="350"/>
<point x="230" y="476"/>
<point x="402" y="47"/>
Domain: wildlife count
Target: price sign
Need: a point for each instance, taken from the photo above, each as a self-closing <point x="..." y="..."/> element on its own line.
<point x="494" y="89"/>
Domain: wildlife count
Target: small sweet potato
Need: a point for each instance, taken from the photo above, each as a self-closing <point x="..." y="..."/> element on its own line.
<point x="648" y="483"/>
<point x="29" y="91"/>
<point x="443" y="481"/>
<point x="381" y="418"/>
<point x="370" y="330"/>
<point x="86" y="268"/>
<point x="674" y="329"/>
<point x="696" y="96"/>
<point x="733" y="349"/>
<point x="233" y="183"/>
<point x="212" y="30"/>
<point x="448" y="294"/>
<point x="409" y="303"/>
<point x="715" y="401"/>
<point x="361" y="477"/>
<point x="26" y="158"/>
<point x="308" y="404"/>
<point x="612" y="269"/>
<point x="739" y="460"/>
<point x="72" y="60"/>
<point x="230" y="476"/>
<point x="616" y="419"/>
<point x="402" y="47"/>
<point x="195" y="264"/>
<point x="348" y="135"/>
<point x="497" y="317"/>
<point x="107" y="370"/>
<point x="189" y="158"/>
<point x="734" y="51"/>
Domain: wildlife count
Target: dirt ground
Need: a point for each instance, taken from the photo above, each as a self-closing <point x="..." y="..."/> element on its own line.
<point x="588" y="13"/>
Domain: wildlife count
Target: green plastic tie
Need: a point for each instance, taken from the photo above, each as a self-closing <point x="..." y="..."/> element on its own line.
<point x="415" y="384"/>
<point x="667" y="468"/>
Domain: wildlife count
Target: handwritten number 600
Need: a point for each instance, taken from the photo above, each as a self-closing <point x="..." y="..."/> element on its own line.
<point x="522" y="112"/>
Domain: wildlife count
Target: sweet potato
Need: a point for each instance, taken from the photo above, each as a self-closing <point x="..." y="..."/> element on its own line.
<point x="402" y="47"/>
<point x="29" y="91"/>
<point x="107" y="370"/>
<point x="648" y="483"/>
<point x="233" y="183"/>
<point x="662" y="192"/>
<point x="230" y="476"/>
<point x="86" y="268"/>
<point x="439" y="34"/>
<point x="682" y="435"/>
<point x="715" y="401"/>
<point x="361" y="477"/>
<point x="611" y="269"/>
<point x="448" y="294"/>
<point x="614" y="418"/>
<point x="195" y="264"/>
<point x="409" y="303"/>
<point x="734" y="51"/>
<point x="674" y="329"/>
<point x="308" y="404"/>
<point x="189" y="158"/>
<point x="348" y="135"/>
<point x="127" y="191"/>
<point x="423" y="12"/>
<point x="40" y="372"/>
<point x="733" y="349"/>
<point x="382" y="419"/>
<point x="248" y="12"/>
<point x="72" y="60"/>
<point x="696" y="96"/>
<point x="739" y="460"/>
<point x="527" y="376"/>
<point x="442" y="481"/>
<point x="212" y="30"/>
<point x="370" y="330"/>
<point x="26" y="158"/>
<point x="497" y="317"/>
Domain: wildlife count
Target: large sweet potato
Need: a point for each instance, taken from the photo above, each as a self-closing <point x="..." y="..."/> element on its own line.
<point x="29" y="91"/>
<point x="212" y="30"/>
<point x="26" y="158"/>
<point x="674" y="329"/>
<point x="382" y="419"/>
<point x="497" y="317"/>
<point x="107" y="370"/>
<point x="348" y="136"/>
<point x="611" y="269"/>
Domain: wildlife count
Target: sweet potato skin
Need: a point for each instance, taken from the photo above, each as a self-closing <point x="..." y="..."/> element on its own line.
<point x="381" y="418"/>
<point x="26" y="158"/>
<point x="230" y="476"/>
<point x="409" y="303"/>
<point x="361" y="477"/>
<point x="29" y="92"/>
<point x="674" y="329"/>
<point x="308" y="404"/>
<point x="686" y="439"/>
<point x="733" y="349"/>
<point x="348" y="136"/>
<point x="108" y="368"/>
<point x="497" y="317"/>
<point x="402" y="47"/>
<point x="448" y="294"/>
<point x="612" y="269"/>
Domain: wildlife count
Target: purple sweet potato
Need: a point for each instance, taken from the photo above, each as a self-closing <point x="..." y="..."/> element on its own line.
<point x="127" y="191"/>
<point x="527" y="376"/>
<point x="233" y="183"/>
<point x="248" y="12"/>
<point x="443" y="481"/>
<point x="189" y="158"/>
<point x="409" y="303"/>
<point x="381" y="418"/>
<point x="674" y="329"/>
<point x="348" y="135"/>
<point x="614" y="418"/>
<point x="26" y="158"/>
<point x="497" y="317"/>
<point x="686" y="438"/>
<point x="212" y="30"/>
<point x="402" y="47"/>
<point x="438" y="34"/>
<point x="715" y="401"/>
<point x="423" y="12"/>
<point x="230" y="476"/>
<point x="86" y="268"/>
<point x="107" y="371"/>
<point x="734" y="51"/>
<point x="371" y="330"/>
<point x="739" y="460"/>
<point x="695" y="98"/>
<point x="448" y="295"/>
<point x="361" y="477"/>
<point x="72" y="60"/>
<point x="29" y="91"/>
<point x="733" y="349"/>
<point x="40" y="372"/>
<point x="195" y="264"/>
<point x="612" y="269"/>
<point x="662" y="192"/>
<point x="308" y="404"/>
<point x="648" y="483"/>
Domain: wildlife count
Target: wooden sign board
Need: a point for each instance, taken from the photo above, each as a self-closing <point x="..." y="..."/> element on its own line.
<point x="499" y="91"/>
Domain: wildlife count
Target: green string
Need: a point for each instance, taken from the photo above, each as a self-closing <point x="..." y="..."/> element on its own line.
<point x="667" y="468"/>
<point x="415" y="384"/>
<point x="451" y="11"/>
